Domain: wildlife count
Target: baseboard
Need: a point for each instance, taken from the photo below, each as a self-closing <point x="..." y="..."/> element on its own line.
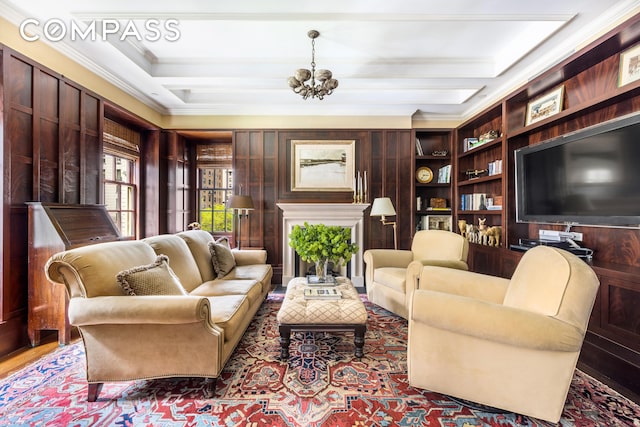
<point x="629" y="394"/>
<point x="612" y="364"/>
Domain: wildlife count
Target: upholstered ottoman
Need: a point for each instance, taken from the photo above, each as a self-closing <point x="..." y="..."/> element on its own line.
<point x="300" y="314"/>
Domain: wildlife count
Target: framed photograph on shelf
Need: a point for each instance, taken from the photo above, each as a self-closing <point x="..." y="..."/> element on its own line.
<point x="436" y="222"/>
<point x="629" y="66"/>
<point x="322" y="165"/>
<point x="545" y="106"/>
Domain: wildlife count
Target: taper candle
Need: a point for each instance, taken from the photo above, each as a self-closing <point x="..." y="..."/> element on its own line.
<point x="365" y="187"/>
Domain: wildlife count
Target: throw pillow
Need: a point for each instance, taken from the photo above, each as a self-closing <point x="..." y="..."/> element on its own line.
<point x="152" y="279"/>
<point x="221" y="257"/>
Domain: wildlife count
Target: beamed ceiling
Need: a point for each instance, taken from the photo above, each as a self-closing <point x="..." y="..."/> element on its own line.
<point x="427" y="59"/>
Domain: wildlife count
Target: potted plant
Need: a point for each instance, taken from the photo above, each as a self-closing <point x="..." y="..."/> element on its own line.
<point x="322" y="244"/>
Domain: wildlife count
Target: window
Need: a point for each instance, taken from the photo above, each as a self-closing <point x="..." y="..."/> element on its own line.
<point x="120" y="193"/>
<point x="215" y="187"/>
<point x="120" y="162"/>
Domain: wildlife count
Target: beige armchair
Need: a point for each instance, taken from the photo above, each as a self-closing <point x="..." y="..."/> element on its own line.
<point x="510" y="344"/>
<point x="392" y="275"/>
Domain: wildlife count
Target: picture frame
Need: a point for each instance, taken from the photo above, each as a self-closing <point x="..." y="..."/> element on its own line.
<point x="322" y="165"/>
<point x="629" y="66"/>
<point x="436" y="222"/>
<point x="545" y="106"/>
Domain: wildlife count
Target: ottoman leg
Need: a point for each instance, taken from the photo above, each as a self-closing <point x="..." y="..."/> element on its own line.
<point x="358" y="339"/>
<point x="285" y="340"/>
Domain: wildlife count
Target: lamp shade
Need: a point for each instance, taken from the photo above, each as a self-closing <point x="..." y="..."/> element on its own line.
<point x="382" y="206"/>
<point x="240" y="202"/>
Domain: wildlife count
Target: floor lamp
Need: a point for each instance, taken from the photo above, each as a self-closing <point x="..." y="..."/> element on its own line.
<point x="240" y="203"/>
<point x="383" y="207"/>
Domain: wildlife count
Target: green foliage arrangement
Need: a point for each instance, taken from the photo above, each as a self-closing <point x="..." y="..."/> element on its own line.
<point x="319" y="242"/>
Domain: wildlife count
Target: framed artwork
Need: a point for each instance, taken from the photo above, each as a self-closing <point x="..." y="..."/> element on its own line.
<point x="322" y="165"/>
<point x="629" y="66"/>
<point x="545" y="106"/>
<point x="436" y="222"/>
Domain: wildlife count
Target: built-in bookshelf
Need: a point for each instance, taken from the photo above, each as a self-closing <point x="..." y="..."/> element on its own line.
<point x="479" y="182"/>
<point x="484" y="169"/>
<point x="433" y="163"/>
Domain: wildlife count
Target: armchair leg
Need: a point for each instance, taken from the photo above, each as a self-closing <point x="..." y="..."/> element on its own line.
<point x="210" y="387"/>
<point x="93" y="391"/>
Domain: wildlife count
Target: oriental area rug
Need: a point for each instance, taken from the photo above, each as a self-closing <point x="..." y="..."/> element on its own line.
<point x="322" y="384"/>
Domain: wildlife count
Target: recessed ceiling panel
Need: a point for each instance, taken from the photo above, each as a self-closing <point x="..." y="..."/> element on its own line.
<point x="390" y="58"/>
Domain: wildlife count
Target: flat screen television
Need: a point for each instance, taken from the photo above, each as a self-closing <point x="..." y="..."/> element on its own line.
<point x="588" y="177"/>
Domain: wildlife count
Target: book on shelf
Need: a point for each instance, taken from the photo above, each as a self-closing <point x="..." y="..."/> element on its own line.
<point x="419" y="150"/>
<point x="495" y="167"/>
<point x="444" y="174"/>
<point x="473" y="202"/>
<point x="325" y="293"/>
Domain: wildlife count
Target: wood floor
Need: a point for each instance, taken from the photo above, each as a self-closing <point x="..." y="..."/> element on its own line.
<point x="20" y="358"/>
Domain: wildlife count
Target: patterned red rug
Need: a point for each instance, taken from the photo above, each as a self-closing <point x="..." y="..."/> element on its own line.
<point x="321" y="385"/>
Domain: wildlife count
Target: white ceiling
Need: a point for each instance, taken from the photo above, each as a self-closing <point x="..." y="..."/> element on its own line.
<point x="431" y="59"/>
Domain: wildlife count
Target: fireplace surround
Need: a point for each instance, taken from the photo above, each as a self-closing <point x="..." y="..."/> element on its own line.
<point x="350" y="215"/>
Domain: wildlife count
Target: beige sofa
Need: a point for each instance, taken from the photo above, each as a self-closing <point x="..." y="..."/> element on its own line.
<point x="156" y="336"/>
<point x="511" y="344"/>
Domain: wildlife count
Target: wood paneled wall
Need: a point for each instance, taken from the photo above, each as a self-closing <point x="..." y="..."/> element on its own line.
<point x="52" y="146"/>
<point x="392" y="175"/>
<point x="262" y="165"/>
<point x="150" y="190"/>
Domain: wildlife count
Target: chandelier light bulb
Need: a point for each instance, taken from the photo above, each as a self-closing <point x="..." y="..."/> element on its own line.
<point x="293" y="82"/>
<point x="323" y="75"/>
<point x="302" y="75"/>
<point x="312" y="84"/>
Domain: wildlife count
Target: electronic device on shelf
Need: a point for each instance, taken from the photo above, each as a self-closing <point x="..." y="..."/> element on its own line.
<point x="568" y="245"/>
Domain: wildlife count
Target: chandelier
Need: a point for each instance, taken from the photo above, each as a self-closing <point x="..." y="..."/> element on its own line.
<point x="304" y="82"/>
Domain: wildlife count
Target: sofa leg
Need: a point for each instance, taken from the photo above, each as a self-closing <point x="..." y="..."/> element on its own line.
<point x="93" y="391"/>
<point x="210" y="387"/>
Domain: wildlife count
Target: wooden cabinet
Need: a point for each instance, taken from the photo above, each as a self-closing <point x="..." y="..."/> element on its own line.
<point x="434" y="198"/>
<point x="612" y="343"/>
<point x="54" y="228"/>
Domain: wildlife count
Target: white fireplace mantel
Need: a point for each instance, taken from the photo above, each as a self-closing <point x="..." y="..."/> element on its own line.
<point x="350" y="215"/>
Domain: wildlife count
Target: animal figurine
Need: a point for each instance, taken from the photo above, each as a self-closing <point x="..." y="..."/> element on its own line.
<point x="483" y="237"/>
<point x="494" y="234"/>
<point x="472" y="233"/>
<point x="482" y="228"/>
<point x="462" y="227"/>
